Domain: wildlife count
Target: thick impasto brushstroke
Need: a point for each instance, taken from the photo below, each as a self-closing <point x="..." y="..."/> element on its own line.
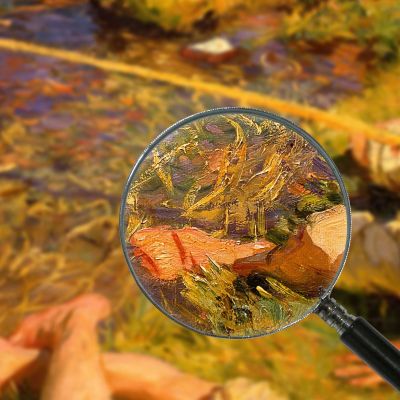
<point x="235" y="225"/>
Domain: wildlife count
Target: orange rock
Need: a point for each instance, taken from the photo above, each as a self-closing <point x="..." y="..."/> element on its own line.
<point x="166" y="252"/>
<point x="301" y="265"/>
<point x="307" y="263"/>
<point x="310" y="260"/>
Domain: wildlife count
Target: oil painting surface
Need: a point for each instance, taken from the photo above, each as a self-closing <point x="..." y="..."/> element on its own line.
<point x="235" y="224"/>
<point x="86" y="85"/>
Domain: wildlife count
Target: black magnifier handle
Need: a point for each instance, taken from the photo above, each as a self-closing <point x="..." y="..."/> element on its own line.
<point x="364" y="340"/>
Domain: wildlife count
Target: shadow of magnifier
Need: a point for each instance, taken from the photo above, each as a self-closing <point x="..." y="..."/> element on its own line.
<point x="236" y="223"/>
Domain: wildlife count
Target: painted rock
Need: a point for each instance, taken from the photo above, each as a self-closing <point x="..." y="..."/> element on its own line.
<point x="165" y="252"/>
<point x="214" y="51"/>
<point x="381" y="160"/>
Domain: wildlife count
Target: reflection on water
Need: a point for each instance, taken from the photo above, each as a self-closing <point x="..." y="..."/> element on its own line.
<point x="319" y="76"/>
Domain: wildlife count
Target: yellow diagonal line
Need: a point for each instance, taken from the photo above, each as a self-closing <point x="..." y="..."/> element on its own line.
<point x="346" y="124"/>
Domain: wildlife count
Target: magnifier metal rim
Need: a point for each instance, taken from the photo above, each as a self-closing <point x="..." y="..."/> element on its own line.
<point x="234" y="110"/>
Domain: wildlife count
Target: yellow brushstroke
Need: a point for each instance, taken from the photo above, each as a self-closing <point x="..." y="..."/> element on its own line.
<point x="271" y="163"/>
<point x="164" y="176"/>
<point x="214" y="214"/>
<point x="223" y="169"/>
<point x="190" y="196"/>
<point x="205" y="200"/>
<point x="240" y="136"/>
<point x="230" y="179"/>
<point x="264" y="293"/>
<point x="289" y="295"/>
<point x="347" y="124"/>
<point x="238" y="169"/>
<point x="261" y="219"/>
<point x="229" y="175"/>
<point x="226" y="222"/>
<point x="271" y="188"/>
<point x="148" y="174"/>
<point x="251" y="123"/>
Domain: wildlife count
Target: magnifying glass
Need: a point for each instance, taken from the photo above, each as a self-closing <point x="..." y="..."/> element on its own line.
<point x="236" y="223"/>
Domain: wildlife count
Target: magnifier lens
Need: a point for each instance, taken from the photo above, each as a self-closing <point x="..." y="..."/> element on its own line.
<point x="235" y="223"/>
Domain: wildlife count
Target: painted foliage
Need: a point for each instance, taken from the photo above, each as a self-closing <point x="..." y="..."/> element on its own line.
<point x="235" y="224"/>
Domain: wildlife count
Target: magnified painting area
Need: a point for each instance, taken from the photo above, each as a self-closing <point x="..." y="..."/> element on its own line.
<point x="235" y="225"/>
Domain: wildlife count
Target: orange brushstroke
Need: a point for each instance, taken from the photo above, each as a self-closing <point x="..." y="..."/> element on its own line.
<point x="175" y="250"/>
